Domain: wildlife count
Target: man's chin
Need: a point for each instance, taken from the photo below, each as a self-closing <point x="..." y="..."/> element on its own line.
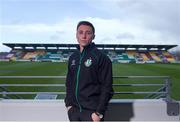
<point x="84" y="45"/>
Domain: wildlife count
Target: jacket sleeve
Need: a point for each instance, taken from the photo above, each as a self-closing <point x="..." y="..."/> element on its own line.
<point x="68" y="87"/>
<point x="105" y="77"/>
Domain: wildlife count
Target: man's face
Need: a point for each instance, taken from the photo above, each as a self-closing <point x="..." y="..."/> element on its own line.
<point x="84" y="35"/>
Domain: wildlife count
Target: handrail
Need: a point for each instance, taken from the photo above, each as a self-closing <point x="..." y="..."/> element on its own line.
<point x="2" y="85"/>
<point x="32" y="93"/>
<point x="164" y="89"/>
<point x="151" y="77"/>
<point x="63" y="77"/>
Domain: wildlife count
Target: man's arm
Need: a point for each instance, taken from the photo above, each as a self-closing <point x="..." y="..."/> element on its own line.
<point x="68" y="88"/>
<point x="105" y="77"/>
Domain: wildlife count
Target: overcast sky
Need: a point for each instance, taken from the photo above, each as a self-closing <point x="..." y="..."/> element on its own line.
<point x="116" y="21"/>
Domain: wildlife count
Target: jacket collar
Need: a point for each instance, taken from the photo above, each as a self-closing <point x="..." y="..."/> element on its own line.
<point x="87" y="47"/>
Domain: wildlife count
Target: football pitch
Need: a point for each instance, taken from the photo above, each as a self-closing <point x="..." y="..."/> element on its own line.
<point x="60" y="69"/>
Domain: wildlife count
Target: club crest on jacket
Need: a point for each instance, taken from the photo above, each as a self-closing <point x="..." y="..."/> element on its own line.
<point x="88" y="62"/>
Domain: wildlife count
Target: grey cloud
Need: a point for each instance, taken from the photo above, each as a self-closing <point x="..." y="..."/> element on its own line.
<point x="57" y="35"/>
<point x="105" y="40"/>
<point x="125" y="36"/>
<point x="162" y="16"/>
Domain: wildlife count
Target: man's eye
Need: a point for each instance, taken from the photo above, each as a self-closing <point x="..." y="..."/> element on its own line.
<point x="80" y="32"/>
<point x="89" y="33"/>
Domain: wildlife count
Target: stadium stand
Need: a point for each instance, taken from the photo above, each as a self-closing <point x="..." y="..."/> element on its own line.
<point x="3" y="56"/>
<point x="168" y="56"/>
<point x="117" y="53"/>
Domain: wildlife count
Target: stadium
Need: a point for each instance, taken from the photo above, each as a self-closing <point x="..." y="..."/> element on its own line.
<point x="145" y="80"/>
<point x="117" y="53"/>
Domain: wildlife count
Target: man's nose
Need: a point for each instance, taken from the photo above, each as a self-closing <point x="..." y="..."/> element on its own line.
<point x="84" y="35"/>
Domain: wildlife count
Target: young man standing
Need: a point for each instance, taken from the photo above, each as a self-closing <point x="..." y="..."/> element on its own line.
<point x="89" y="78"/>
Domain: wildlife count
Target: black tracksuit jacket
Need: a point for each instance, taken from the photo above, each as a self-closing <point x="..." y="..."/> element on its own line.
<point x="89" y="80"/>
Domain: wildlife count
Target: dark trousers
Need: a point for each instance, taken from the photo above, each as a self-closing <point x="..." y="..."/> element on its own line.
<point x="74" y="114"/>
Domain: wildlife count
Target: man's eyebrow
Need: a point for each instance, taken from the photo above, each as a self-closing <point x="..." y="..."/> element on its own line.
<point x="85" y="31"/>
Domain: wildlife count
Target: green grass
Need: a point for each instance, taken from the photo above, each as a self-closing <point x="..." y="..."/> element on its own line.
<point x="56" y="69"/>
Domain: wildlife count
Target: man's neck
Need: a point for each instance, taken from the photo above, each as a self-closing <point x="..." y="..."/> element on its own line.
<point x="81" y="49"/>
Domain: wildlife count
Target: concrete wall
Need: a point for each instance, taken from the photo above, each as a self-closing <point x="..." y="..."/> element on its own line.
<point x="54" y="110"/>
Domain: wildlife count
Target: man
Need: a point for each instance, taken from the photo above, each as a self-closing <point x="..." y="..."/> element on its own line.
<point x="89" y="78"/>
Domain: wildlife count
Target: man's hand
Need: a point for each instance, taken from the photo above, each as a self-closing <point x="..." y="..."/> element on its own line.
<point x="69" y="107"/>
<point x="95" y="117"/>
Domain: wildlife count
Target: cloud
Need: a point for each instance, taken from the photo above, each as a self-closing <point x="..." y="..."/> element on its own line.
<point x="30" y="28"/>
<point x="37" y="32"/>
<point x="155" y="15"/>
<point x="128" y="36"/>
<point x="113" y="29"/>
<point x="149" y="21"/>
<point x="116" y="21"/>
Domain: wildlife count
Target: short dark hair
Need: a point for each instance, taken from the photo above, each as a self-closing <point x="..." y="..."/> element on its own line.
<point x="86" y="23"/>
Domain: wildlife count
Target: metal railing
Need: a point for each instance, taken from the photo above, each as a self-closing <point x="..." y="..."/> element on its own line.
<point x="163" y="90"/>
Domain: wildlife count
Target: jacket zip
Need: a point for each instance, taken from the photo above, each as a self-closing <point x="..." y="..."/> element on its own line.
<point x="77" y="81"/>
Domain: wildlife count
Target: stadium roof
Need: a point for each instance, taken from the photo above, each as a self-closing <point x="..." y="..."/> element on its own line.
<point x="102" y="46"/>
